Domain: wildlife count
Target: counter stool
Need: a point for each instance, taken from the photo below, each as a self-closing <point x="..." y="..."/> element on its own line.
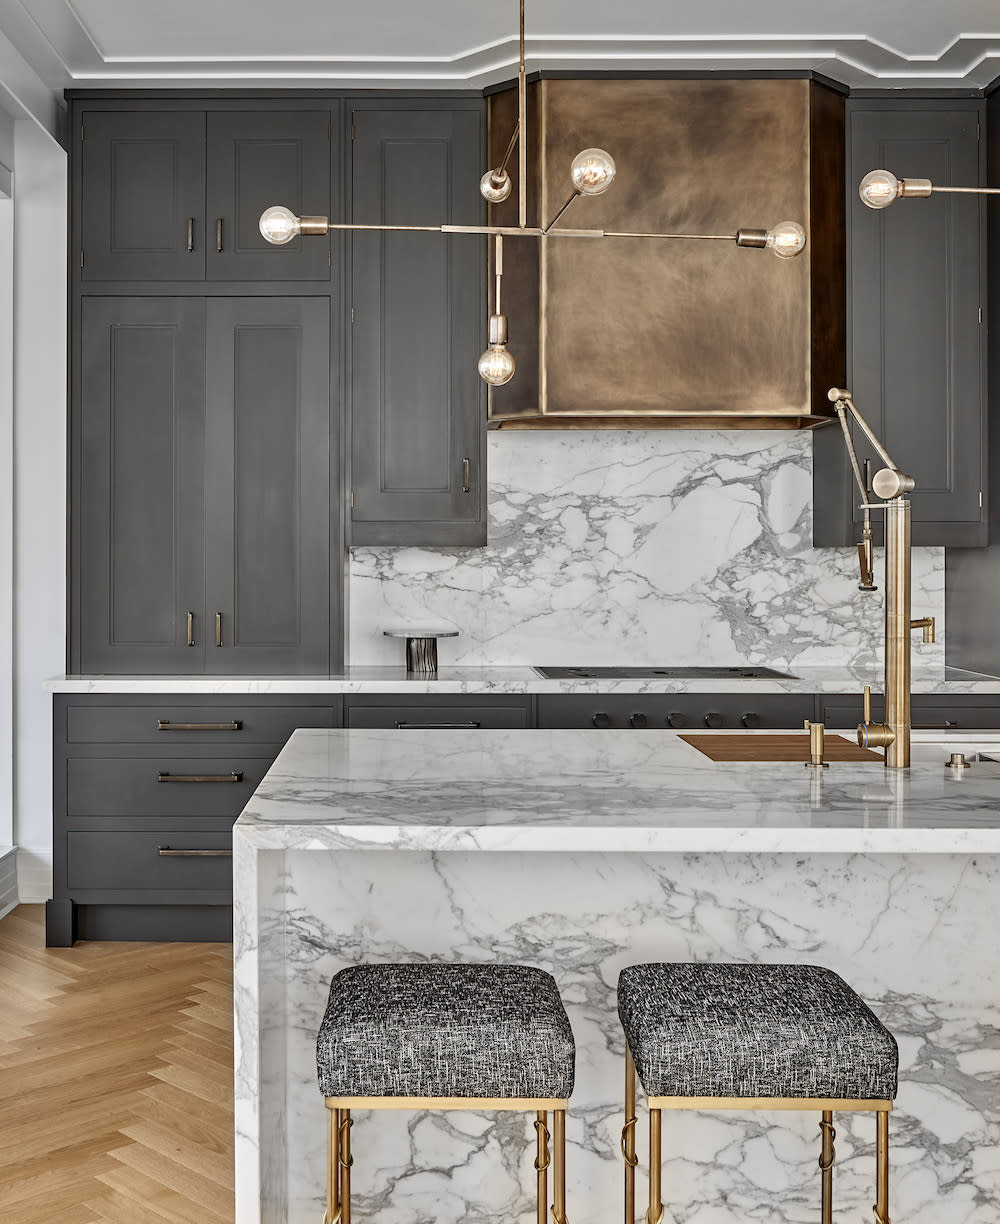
<point x="709" y="1036"/>
<point x="430" y="1036"/>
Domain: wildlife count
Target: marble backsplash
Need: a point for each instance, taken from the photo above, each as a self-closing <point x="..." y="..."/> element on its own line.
<point x="687" y="547"/>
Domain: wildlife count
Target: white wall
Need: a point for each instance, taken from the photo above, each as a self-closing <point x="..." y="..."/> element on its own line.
<point x="40" y="296"/>
<point x="6" y="508"/>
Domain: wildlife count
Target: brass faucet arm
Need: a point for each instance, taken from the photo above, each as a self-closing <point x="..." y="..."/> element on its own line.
<point x="851" y="452"/>
<point x="841" y="397"/>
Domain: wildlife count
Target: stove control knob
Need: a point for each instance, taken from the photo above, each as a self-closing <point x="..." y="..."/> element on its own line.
<point x="714" y="720"/>
<point x="675" y="719"/>
<point x="638" y="720"/>
<point x="601" y="719"/>
<point x="751" y="720"/>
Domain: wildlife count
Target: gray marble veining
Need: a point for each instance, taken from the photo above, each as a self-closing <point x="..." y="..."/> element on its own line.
<point x="641" y="547"/>
<point x="315" y="892"/>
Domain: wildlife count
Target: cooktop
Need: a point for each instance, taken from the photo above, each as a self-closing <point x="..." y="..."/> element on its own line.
<point x="662" y="673"/>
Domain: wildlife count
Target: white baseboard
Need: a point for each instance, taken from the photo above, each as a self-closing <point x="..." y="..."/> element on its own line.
<point x="8" y="879"/>
<point x="34" y="875"/>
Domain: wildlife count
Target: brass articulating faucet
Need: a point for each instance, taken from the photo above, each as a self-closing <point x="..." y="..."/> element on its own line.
<point x="892" y="486"/>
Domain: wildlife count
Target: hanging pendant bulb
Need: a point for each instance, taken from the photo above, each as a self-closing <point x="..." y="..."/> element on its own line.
<point x="787" y="239"/>
<point x="495" y="186"/>
<point x="592" y="172"/>
<point x="879" y="188"/>
<point x="496" y="365"/>
<point x="279" y="225"/>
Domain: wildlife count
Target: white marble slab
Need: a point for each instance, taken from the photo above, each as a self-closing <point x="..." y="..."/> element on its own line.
<point x="577" y="791"/>
<point x="315" y="890"/>
<point x="518" y="680"/>
<point x="645" y="546"/>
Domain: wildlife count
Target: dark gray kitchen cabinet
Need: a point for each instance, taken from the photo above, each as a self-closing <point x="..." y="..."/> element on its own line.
<point x="138" y="486"/>
<point x="916" y="305"/>
<point x="176" y="195"/>
<point x="142" y="195"/>
<point x="256" y="159"/>
<point x="269" y="472"/>
<point x="418" y="300"/>
<point x="203" y="465"/>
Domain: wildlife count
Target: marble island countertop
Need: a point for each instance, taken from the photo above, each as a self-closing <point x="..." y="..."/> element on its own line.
<point x="431" y="790"/>
<point x="946" y="681"/>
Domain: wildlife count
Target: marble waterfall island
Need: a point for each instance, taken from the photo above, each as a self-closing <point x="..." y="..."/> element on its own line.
<point x="580" y="853"/>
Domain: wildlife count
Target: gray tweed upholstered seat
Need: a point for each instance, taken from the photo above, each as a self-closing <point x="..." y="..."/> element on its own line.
<point x="753" y="1031"/>
<point x="445" y="1031"/>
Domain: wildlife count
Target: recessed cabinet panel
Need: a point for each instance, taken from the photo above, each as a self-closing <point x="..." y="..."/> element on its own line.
<point x="140" y="485"/>
<point x="143" y="195"/>
<point x="257" y="159"/>
<point x="419" y="305"/>
<point x="269" y="464"/>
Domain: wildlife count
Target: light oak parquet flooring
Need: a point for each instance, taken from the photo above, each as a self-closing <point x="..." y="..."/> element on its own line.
<point x="116" y="1102"/>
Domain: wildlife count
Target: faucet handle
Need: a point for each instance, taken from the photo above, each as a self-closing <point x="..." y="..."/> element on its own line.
<point x="868" y="703"/>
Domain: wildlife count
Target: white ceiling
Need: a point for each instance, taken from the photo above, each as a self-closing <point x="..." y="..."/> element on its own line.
<point x="456" y="43"/>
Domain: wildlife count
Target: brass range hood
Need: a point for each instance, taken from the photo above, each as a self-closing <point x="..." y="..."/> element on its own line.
<point x="641" y="333"/>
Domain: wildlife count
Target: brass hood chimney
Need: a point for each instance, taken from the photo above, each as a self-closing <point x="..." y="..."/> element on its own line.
<point x="643" y="333"/>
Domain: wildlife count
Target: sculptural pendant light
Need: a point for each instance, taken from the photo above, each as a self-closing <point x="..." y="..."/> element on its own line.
<point x="591" y="173"/>
<point x="880" y="188"/>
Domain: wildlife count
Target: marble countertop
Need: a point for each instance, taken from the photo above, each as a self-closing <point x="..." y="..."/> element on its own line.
<point x="519" y="680"/>
<point x="574" y="791"/>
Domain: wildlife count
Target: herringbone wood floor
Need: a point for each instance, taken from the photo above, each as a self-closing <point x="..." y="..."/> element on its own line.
<point x="115" y="1080"/>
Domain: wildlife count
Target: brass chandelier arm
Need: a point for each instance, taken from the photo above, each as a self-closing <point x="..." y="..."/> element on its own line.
<point x="522" y="125"/>
<point x="935" y="189"/>
<point x="692" y="237"/>
<point x="574" y="196"/>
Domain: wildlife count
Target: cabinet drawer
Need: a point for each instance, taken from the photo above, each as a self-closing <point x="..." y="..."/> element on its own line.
<point x="149" y="859"/>
<point x="162" y="786"/>
<point x="928" y="712"/>
<point x="471" y="717"/>
<point x="190" y="724"/>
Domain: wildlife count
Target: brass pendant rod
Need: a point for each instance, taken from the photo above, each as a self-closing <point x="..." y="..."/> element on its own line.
<point x="498" y="270"/>
<point x="522" y="124"/>
<point x="693" y="237"/>
<point x="574" y="196"/>
<point x="498" y="173"/>
<point x="966" y="190"/>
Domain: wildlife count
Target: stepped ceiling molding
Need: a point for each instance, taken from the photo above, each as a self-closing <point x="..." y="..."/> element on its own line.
<point x="460" y="44"/>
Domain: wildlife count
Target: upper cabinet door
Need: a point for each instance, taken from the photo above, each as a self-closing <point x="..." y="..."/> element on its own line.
<point x="917" y="348"/>
<point x="268" y="469"/>
<point x="143" y="195"/>
<point x="138" y="467"/>
<point x="418" y="408"/>
<point x="256" y="159"/>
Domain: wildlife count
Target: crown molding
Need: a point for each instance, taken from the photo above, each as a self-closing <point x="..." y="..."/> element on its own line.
<point x="55" y="40"/>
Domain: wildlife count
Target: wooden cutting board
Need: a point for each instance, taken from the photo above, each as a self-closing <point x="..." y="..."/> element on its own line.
<point x="776" y="748"/>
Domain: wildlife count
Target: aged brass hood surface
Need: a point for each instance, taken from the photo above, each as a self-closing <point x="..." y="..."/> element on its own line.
<point x="634" y="332"/>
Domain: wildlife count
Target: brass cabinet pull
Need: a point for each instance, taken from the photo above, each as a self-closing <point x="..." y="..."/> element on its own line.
<point x="218" y="235"/>
<point x="170" y="852"/>
<point x="164" y="724"/>
<point x="218" y="628"/>
<point x="945" y="726"/>
<point x="163" y="776"/>
<point x="190" y="628"/>
<point x="466" y="465"/>
<point x="466" y="726"/>
<point x="190" y="233"/>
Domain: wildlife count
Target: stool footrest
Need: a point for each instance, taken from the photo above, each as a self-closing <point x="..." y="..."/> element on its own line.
<point x="841" y="1105"/>
<point x="511" y="1104"/>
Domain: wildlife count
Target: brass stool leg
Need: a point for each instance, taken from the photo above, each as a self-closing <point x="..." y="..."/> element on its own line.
<point x="628" y="1138"/>
<point x="332" y="1215"/>
<point x="655" y="1213"/>
<point x="881" y="1208"/>
<point x="559" y="1166"/>
<point x="542" y="1165"/>
<point x="345" y="1160"/>
<point x="826" y="1158"/>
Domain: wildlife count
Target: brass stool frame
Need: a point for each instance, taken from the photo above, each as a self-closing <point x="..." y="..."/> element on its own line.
<point x="823" y="1105"/>
<point x="340" y="1160"/>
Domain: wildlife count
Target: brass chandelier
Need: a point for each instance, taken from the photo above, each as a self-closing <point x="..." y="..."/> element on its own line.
<point x="592" y="172"/>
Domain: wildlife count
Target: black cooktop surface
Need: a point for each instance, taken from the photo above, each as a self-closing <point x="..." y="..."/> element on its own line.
<point x="662" y="673"/>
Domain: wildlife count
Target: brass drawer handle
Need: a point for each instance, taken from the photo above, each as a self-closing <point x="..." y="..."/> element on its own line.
<point x="190" y="628"/>
<point x="466" y="726"/>
<point x="218" y="235"/>
<point x="466" y="466"/>
<point x="169" y="852"/>
<point x="190" y="233"/>
<point x="163" y="776"/>
<point x="164" y="724"/>
<point x="945" y="726"/>
<point x="218" y="628"/>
